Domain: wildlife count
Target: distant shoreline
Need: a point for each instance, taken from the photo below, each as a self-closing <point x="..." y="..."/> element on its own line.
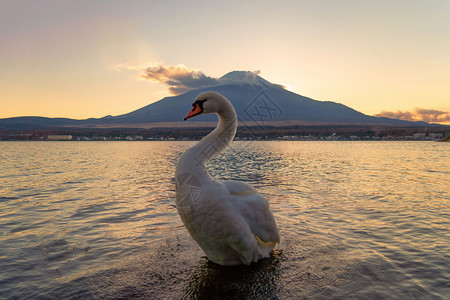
<point x="250" y="132"/>
<point x="237" y="139"/>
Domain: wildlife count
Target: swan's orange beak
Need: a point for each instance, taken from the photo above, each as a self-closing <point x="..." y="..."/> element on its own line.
<point x="196" y="110"/>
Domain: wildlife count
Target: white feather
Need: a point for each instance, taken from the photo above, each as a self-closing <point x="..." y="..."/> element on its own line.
<point x="229" y="220"/>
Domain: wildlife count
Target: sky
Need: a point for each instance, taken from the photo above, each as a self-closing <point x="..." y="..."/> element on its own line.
<point x="82" y="59"/>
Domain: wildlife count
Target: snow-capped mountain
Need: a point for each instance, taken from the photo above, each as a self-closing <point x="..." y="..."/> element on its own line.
<point x="254" y="98"/>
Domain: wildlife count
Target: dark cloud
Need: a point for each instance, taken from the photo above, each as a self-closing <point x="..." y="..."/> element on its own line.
<point x="402" y="115"/>
<point x="180" y="78"/>
<point x="432" y="115"/>
<point x="418" y="114"/>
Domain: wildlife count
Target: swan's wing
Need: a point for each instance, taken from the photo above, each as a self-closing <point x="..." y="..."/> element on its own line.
<point x="256" y="212"/>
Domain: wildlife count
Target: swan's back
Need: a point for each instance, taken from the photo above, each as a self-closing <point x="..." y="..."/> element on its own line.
<point x="232" y="223"/>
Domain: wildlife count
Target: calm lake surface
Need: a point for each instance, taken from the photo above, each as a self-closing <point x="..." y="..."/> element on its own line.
<point x="97" y="220"/>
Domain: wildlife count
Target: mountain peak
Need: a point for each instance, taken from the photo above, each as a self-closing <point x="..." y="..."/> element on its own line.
<point x="244" y="77"/>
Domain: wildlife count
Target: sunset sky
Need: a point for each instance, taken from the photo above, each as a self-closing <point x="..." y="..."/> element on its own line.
<point x="81" y="59"/>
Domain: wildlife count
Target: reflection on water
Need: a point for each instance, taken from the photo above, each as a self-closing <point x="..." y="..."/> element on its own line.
<point x="258" y="280"/>
<point x="97" y="220"/>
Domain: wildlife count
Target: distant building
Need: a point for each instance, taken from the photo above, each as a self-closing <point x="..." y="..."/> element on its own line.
<point x="59" y="137"/>
<point x="436" y="136"/>
<point x="419" y="135"/>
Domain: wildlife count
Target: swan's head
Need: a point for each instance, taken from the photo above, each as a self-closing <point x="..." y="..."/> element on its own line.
<point x="207" y="103"/>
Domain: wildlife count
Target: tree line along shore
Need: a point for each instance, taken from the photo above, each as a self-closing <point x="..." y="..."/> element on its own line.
<point x="322" y="132"/>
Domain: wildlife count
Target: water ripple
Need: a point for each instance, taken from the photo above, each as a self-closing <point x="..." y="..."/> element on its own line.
<point x="97" y="220"/>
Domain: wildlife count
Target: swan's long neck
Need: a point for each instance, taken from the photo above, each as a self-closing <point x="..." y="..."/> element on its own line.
<point x="195" y="159"/>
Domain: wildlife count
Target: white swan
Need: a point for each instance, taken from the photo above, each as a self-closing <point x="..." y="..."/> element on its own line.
<point x="229" y="220"/>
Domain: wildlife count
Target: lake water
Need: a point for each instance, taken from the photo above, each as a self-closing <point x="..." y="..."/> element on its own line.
<point x="97" y="220"/>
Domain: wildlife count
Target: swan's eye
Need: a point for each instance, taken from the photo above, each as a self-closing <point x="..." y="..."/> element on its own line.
<point x="199" y="103"/>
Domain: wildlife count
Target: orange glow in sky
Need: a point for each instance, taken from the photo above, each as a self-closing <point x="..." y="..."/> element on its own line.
<point x="60" y="58"/>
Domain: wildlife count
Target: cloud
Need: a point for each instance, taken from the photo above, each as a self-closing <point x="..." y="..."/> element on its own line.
<point x="432" y="115"/>
<point x="402" y="115"/>
<point x="179" y="78"/>
<point x="418" y="114"/>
